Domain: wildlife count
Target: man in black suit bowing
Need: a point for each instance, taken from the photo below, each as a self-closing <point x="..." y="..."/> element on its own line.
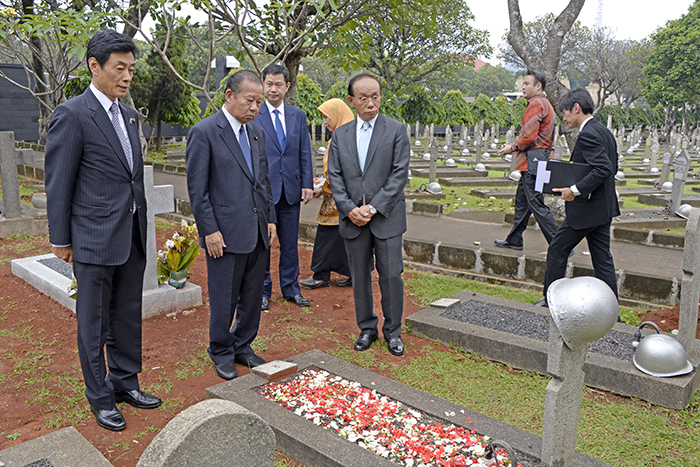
<point x="368" y="169"/>
<point x="231" y="201"/>
<point x="97" y="220"/>
<point x="591" y="203"/>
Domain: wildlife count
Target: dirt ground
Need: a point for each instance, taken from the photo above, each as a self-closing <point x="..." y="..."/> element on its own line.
<point x="40" y="380"/>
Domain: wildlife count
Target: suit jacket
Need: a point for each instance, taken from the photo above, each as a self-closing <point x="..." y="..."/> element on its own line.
<point x="290" y="167"/>
<point x="597" y="204"/>
<point x="380" y="184"/>
<point x="224" y="195"/>
<point x="89" y="187"/>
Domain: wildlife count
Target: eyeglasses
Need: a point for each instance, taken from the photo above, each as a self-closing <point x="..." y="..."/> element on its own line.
<point x="375" y="99"/>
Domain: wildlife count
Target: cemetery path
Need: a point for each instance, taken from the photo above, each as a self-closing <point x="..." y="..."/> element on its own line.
<point x="41" y="387"/>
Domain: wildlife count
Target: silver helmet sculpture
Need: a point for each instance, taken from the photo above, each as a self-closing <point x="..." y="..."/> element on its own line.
<point x="584" y="309"/>
<point x="667" y="187"/>
<point x="684" y="210"/>
<point x="450" y="163"/>
<point x="480" y="167"/>
<point x="515" y="175"/>
<point x="659" y="354"/>
<point x="434" y="188"/>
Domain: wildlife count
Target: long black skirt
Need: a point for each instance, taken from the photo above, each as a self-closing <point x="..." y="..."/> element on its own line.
<point x="329" y="253"/>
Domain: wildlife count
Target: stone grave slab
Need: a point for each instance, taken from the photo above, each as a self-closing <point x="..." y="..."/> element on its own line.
<point x="62" y="448"/>
<point x="477" y="181"/>
<point x="446" y="172"/>
<point x="313" y="445"/>
<point x="52" y="276"/>
<point x="516" y="334"/>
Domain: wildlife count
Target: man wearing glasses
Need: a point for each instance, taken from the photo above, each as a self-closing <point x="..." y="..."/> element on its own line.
<point x="368" y="169"/>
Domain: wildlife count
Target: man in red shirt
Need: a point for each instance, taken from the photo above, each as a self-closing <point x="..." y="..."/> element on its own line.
<point x="536" y="134"/>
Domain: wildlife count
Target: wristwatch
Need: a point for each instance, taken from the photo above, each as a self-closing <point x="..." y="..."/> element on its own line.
<point x="372" y="210"/>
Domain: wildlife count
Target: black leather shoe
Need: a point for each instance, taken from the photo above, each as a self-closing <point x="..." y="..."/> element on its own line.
<point x="265" y="305"/>
<point x="395" y="345"/>
<point x="345" y="283"/>
<point x="298" y="300"/>
<point x="111" y="419"/>
<point x="313" y="283"/>
<point x="226" y="370"/>
<point x="137" y="398"/>
<point x="507" y="244"/>
<point x="250" y="362"/>
<point x="364" y="342"/>
<point x="542" y="303"/>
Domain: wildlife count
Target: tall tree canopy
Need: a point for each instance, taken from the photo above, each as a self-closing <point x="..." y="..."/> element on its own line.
<point x="412" y="46"/>
<point x="672" y="76"/>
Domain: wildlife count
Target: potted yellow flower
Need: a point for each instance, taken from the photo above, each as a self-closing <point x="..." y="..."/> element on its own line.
<point x="179" y="254"/>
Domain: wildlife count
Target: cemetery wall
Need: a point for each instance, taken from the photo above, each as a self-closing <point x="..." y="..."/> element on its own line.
<point x="20" y="111"/>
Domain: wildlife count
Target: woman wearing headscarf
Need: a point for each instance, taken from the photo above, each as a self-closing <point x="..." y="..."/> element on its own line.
<point x="329" y="249"/>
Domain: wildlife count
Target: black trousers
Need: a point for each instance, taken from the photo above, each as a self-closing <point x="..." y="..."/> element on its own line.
<point x="363" y="251"/>
<point x="235" y="284"/>
<point x="108" y="312"/>
<point x="566" y="239"/>
<point x="329" y="253"/>
<point x="530" y="202"/>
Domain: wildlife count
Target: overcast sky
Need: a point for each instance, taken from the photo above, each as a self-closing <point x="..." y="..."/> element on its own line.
<point x="630" y="19"/>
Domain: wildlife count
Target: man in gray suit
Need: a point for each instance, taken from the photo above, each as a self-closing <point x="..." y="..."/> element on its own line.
<point x="368" y="169"/>
<point x="231" y="199"/>
<point x="97" y="220"/>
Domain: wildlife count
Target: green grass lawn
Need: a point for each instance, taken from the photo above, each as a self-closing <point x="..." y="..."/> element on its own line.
<point x="620" y="431"/>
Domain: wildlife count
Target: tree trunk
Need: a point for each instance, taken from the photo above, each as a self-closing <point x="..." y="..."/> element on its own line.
<point x="38" y="71"/>
<point x="292" y="63"/>
<point x="158" y="138"/>
<point x="549" y="64"/>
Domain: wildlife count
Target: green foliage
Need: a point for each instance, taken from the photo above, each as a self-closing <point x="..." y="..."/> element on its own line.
<point x="672" y="76"/>
<point x="517" y="110"/>
<point x="390" y="106"/>
<point x="455" y="109"/>
<point x="77" y="85"/>
<point x="488" y="80"/>
<point x="309" y="98"/>
<point x="409" y="43"/>
<point x="491" y="112"/>
<point x="155" y="87"/>
<point x="338" y="89"/>
<point x="219" y="97"/>
<point x="419" y="107"/>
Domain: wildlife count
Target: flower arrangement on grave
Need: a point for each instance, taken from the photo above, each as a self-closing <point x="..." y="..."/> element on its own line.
<point x="179" y="254"/>
<point x="381" y="424"/>
<point x="73" y="289"/>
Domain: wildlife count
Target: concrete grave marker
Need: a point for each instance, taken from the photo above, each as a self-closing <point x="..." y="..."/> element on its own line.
<point x="680" y="175"/>
<point x="665" y="168"/>
<point x="433" y="160"/>
<point x="62" y="448"/>
<point x="13" y="221"/>
<point x="212" y="433"/>
<point x="49" y="275"/>
<point x="690" y="285"/>
<point x="448" y="141"/>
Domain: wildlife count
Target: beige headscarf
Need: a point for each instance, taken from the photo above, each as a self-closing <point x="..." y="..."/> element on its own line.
<point x="339" y="113"/>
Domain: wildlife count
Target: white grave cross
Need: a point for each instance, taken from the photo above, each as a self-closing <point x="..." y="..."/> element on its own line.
<point x="159" y="200"/>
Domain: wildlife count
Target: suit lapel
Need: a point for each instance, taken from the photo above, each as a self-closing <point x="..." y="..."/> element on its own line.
<point x="105" y="125"/>
<point x="232" y="143"/>
<point x="377" y="135"/>
<point x="290" y="124"/>
<point x="352" y="144"/>
<point x="132" y="132"/>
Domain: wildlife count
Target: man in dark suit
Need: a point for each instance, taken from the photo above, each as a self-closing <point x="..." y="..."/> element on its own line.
<point x="368" y="169"/>
<point x="591" y="203"/>
<point x="97" y="220"/>
<point x="231" y="200"/>
<point x="291" y="176"/>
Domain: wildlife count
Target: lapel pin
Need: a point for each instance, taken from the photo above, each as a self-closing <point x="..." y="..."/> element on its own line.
<point x="255" y="138"/>
<point x="131" y="121"/>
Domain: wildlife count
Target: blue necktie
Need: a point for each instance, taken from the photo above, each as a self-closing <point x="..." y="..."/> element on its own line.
<point x="363" y="145"/>
<point x="278" y="128"/>
<point x="245" y="147"/>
